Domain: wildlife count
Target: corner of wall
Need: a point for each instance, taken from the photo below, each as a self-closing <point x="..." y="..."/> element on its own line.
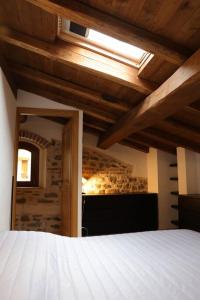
<point x="7" y="133"/>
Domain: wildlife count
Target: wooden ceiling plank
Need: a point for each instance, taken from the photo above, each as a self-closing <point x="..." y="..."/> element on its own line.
<point x="29" y="19"/>
<point x="107" y="24"/>
<point x="66" y="86"/>
<point x="62" y="52"/>
<point x="181" y="89"/>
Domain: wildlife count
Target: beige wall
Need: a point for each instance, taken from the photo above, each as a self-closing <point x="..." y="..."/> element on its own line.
<point x="165" y="186"/>
<point x="152" y="170"/>
<point x="188" y="171"/>
<point x="7" y="135"/>
<point x="26" y="99"/>
<point x="159" y="173"/>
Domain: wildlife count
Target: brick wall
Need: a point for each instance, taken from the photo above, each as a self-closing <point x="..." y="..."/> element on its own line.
<point x="107" y="175"/>
<point x="39" y="209"/>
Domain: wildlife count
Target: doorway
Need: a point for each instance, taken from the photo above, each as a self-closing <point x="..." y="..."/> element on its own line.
<point x="46" y="171"/>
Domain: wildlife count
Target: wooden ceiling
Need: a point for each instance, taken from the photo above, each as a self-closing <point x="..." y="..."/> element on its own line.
<point x="155" y="106"/>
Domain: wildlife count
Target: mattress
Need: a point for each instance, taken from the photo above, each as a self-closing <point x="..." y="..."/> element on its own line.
<point x="161" y="265"/>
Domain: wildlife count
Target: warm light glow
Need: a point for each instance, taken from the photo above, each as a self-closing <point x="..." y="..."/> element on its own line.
<point x="92" y="185"/>
<point x="24" y="165"/>
<point x="84" y="180"/>
<point x="118" y="46"/>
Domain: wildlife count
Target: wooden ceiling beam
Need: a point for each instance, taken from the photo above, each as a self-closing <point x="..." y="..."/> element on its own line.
<point x="96" y="130"/>
<point x="181" y="89"/>
<point x="68" y="87"/>
<point x="135" y="145"/>
<point x="188" y="116"/>
<point x="173" y="138"/>
<point x="150" y="141"/>
<point x="80" y="59"/>
<point x="107" y="24"/>
<point x="93" y="126"/>
<point x="55" y="95"/>
<point x="158" y="136"/>
<point x="185" y="131"/>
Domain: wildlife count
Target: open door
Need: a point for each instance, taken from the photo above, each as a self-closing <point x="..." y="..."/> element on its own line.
<point x="70" y="177"/>
<point x="69" y="167"/>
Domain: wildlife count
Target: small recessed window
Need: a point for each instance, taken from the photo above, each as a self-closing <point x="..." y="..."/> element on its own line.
<point x="24" y="165"/>
<point x="27" y="165"/>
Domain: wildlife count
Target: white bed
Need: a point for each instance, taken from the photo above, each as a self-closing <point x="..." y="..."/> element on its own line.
<point x="144" y="266"/>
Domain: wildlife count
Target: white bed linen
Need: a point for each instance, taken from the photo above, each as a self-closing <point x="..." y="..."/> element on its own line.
<point x="162" y="265"/>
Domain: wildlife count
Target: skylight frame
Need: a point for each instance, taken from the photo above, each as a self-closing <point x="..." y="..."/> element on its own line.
<point x="65" y="34"/>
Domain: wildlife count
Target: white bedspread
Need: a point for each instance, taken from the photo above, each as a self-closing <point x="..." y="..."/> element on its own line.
<point x="161" y="265"/>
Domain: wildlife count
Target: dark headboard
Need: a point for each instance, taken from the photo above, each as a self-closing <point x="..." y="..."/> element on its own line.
<point x="189" y="212"/>
<point x="120" y="213"/>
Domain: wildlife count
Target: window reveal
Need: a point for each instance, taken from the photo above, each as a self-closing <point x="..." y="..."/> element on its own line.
<point x="28" y="165"/>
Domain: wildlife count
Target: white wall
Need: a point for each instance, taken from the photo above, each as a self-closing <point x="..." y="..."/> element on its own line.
<point x="188" y="171"/>
<point x="7" y="136"/>
<point x="128" y="155"/>
<point x="26" y="99"/>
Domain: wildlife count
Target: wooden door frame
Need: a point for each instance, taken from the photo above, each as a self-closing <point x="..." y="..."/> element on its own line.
<point x="73" y="115"/>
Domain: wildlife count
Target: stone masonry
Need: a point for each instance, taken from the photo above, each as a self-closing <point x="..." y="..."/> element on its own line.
<point x="107" y="175"/>
<point x="39" y="209"/>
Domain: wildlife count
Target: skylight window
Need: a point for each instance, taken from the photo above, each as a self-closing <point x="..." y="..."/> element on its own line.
<point x="115" y="45"/>
<point x="102" y="43"/>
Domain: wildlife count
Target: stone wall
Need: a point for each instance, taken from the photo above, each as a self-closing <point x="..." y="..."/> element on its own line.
<point x="39" y="209"/>
<point x="106" y="175"/>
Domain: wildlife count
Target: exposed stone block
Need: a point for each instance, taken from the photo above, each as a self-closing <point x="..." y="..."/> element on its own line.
<point x="51" y="195"/>
<point x="58" y="157"/>
<point x="56" y="226"/>
<point x="45" y="201"/>
<point x="21" y="200"/>
<point x="25" y="218"/>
